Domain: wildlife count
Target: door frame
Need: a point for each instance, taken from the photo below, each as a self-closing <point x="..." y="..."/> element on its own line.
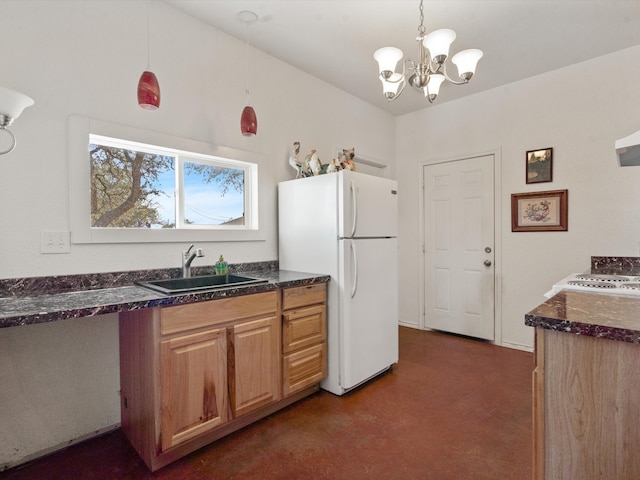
<point x="497" y="234"/>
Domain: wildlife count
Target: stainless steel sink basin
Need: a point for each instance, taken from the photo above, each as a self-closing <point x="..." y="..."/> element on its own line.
<point x="197" y="284"/>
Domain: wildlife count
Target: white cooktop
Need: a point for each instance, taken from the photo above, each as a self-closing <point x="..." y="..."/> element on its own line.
<point x="598" y="283"/>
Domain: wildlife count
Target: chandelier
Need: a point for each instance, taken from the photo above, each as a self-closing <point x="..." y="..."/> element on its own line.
<point x="430" y="71"/>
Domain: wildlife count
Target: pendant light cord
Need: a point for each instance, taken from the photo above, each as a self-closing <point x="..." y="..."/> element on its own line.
<point x="148" y="47"/>
<point x="247" y="65"/>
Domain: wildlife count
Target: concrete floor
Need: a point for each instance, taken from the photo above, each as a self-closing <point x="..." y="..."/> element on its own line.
<point x="452" y="408"/>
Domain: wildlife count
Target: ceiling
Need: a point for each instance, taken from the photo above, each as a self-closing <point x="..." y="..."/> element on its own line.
<point x="334" y="40"/>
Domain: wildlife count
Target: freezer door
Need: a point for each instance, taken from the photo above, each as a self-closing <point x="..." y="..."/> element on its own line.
<point x="367" y="206"/>
<point x="368" y="325"/>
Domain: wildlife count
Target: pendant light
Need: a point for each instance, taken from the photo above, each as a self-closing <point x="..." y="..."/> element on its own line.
<point x="148" y="86"/>
<point x="248" y="120"/>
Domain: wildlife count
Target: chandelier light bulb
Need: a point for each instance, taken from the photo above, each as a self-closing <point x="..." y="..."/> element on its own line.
<point x="432" y="89"/>
<point x="390" y="88"/>
<point x="438" y="44"/>
<point x="387" y="58"/>
<point x="467" y="61"/>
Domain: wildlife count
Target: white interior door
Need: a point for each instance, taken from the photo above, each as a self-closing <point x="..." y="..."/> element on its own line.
<point x="459" y="241"/>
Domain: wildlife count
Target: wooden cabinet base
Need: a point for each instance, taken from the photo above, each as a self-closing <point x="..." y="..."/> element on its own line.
<point x="586" y="407"/>
<point x="157" y="460"/>
<point x="193" y="373"/>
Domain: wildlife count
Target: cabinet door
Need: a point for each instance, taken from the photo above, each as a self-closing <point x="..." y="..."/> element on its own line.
<point x="193" y="385"/>
<point x="253" y="359"/>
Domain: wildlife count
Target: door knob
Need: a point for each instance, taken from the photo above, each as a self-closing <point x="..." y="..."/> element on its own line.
<point x="487" y="263"/>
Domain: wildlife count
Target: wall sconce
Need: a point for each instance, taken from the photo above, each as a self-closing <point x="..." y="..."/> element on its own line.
<point x="12" y="104"/>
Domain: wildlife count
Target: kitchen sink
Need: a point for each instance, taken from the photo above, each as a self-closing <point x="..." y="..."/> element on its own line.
<point x="197" y="284"/>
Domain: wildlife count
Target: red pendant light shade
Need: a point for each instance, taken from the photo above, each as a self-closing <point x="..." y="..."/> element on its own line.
<point x="248" y="122"/>
<point x="148" y="91"/>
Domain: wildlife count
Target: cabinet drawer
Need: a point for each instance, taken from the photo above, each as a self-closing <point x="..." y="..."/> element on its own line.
<point x="307" y="295"/>
<point x="303" y="327"/>
<point x="304" y="368"/>
<point x="195" y="315"/>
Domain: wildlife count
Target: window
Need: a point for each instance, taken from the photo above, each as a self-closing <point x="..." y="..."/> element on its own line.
<point x="142" y="186"/>
<point x="135" y="186"/>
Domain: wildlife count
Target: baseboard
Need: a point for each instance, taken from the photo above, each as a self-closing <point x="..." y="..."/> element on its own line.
<point x="56" y="448"/>
<point x="517" y="346"/>
<point x="410" y="325"/>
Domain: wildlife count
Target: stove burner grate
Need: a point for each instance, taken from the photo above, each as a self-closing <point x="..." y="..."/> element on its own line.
<point x="602" y="278"/>
<point x="594" y="284"/>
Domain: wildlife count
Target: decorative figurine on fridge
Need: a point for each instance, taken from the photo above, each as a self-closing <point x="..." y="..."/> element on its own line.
<point x="311" y="165"/>
<point x="334" y="166"/>
<point x="293" y="159"/>
<point x="348" y="154"/>
<point x="313" y="162"/>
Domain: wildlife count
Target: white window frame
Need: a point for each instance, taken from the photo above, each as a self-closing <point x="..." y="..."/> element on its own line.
<point x="81" y="129"/>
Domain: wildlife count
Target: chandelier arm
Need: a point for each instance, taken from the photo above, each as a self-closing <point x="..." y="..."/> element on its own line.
<point x="400" y="90"/>
<point x="402" y="75"/>
<point x="12" y="141"/>
<point x="448" y="78"/>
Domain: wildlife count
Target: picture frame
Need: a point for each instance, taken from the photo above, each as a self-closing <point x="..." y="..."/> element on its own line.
<point x="540" y="211"/>
<point x="539" y="165"/>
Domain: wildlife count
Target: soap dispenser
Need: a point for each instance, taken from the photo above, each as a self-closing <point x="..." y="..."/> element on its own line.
<point x="222" y="267"/>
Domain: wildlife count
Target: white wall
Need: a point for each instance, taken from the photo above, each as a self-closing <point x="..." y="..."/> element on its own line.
<point x="579" y="111"/>
<point x="85" y="58"/>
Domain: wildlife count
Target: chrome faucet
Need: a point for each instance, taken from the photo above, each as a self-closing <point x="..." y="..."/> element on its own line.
<point x="187" y="258"/>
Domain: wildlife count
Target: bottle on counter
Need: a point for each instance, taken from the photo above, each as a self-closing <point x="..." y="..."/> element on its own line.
<point x="222" y="267"/>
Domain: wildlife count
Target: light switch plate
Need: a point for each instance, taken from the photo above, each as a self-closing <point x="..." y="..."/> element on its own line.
<point x="57" y="241"/>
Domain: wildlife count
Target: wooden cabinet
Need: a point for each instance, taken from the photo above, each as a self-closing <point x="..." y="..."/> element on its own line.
<point x="193" y="373"/>
<point x="586" y="407"/>
<point x="304" y="334"/>
<point x="188" y="372"/>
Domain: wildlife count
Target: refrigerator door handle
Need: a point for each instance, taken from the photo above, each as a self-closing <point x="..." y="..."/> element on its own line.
<point x="354" y="284"/>
<point x="354" y="208"/>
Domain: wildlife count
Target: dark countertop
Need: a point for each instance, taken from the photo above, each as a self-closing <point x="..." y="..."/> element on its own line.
<point x="41" y="308"/>
<point x="615" y="317"/>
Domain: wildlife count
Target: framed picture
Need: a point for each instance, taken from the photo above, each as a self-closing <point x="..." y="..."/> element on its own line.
<point x="539" y="165"/>
<point x="540" y="211"/>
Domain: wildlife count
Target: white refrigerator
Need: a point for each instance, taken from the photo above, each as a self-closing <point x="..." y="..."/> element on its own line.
<point x="345" y="225"/>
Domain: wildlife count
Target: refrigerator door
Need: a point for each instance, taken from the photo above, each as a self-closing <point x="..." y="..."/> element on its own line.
<point x="368" y="206"/>
<point x="368" y="309"/>
<point x="307" y="225"/>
